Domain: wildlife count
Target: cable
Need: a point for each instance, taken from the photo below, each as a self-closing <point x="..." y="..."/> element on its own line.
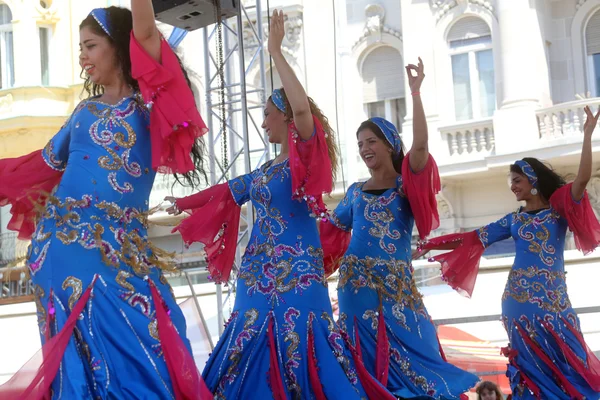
<point x="337" y="119"/>
<point x="269" y="30"/>
<point x="221" y="91"/>
<point x="270" y="59"/>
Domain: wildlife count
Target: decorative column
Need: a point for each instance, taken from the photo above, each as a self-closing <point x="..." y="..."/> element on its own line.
<point x="522" y="81"/>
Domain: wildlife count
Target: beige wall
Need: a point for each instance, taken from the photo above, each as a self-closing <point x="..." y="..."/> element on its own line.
<point x="29" y="113"/>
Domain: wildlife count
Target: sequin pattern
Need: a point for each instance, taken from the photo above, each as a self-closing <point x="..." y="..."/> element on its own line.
<point x="272" y="266"/>
<point x="376" y="284"/>
<point x="536" y="306"/>
<point x="93" y="228"/>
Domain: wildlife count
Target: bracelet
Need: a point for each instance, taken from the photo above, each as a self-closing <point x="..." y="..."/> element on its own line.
<point x="415" y="93"/>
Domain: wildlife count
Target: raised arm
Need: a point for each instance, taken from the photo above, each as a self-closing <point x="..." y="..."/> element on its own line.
<point x="294" y="91"/>
<point x="144" y="27"/>
<point x="419" y="152"/>
<point x="585" y="164"/>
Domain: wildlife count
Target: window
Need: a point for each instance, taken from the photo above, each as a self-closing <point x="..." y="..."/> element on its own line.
<point x="592" y="43"/>
<point x="393" y="110"/>
<point x="44" y="33"/>
<point x="7" y="60"/>
<point x="472" y="59"/>
<point x="383" y="85"/>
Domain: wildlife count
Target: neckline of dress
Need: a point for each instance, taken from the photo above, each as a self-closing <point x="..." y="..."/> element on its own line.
<point x="130" y="97"/>
<point x="272" y="164"/>
<point x="533" y="212"/>
<point x="398" y="181"/>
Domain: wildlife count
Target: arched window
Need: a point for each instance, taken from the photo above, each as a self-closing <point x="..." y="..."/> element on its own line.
<point x="592" y="47"/>
<point x="383" y="85"/>
<point x="470" y="46"/>
<point x="7" y="59"/>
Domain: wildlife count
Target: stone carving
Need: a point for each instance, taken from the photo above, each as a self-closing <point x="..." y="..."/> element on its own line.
<point x="445" y="209"/>
<point x="375" y="24"/>
<point x="292" y="42"/>
<point x="443" y="7"/>
<point x="375" y="15"/>
<point x="579" y="4"/>
<point x="49" y="13"/>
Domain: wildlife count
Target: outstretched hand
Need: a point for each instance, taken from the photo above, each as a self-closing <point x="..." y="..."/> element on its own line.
<point x="173" y="210"/>
<point x="414" y="82"/>
<point x="591" y="121"/>
<point x="418" y="253"/>
<point x="276" y="32"/>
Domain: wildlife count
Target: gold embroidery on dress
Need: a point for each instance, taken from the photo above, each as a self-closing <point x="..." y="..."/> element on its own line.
<point x="77" y="286"/>
<point x="122" y="281"/>
<point x="550" y="293"/>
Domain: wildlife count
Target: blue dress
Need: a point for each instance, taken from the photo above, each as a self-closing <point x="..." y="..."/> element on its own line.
<point x="94" y="229"/>
<point x="376" y="287"/>
<point x="282" y="301"/>
<point x="536" y="312"/>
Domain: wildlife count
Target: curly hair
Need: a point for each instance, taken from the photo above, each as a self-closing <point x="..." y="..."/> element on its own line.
<point x="490" y="387"/>
<point x="121" y="22"/>
<point x="397" y="158"/>
<point x="329" y="132"/>
<point x="548" y="180"/>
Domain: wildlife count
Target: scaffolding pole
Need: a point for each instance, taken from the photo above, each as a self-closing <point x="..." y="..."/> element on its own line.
<point x="248" y="146"/>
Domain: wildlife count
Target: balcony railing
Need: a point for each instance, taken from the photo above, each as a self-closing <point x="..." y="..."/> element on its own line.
<point x="15" y="286"/>
<point x="472" y="139"/>
<point x="564" y="120"/>
<point x="12" y="249"/>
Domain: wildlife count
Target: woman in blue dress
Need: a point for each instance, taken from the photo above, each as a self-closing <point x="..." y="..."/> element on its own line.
<point x="281" y="341"/>
<point x="380" y="306"/>
<point x="548" y="357"/>
<point x="110" y="326"/>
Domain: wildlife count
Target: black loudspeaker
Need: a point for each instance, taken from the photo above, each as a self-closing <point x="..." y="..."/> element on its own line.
<point x="192" y="14"/>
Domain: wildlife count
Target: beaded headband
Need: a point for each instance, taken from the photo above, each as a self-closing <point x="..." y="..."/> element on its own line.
<point x="528" y="171"/>
<point x="390" y="132"/>
<point x="101" y="17"/>
<point x="278" y="100"/>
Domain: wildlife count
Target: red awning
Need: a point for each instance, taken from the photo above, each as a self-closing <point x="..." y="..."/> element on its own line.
<point x="474" y="355"/>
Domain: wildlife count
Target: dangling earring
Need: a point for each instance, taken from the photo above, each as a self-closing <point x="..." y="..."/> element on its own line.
<point x="534" y="192"/>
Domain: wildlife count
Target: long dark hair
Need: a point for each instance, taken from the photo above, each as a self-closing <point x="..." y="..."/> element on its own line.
<point x="332" y="147"/>
<point x="397" y="158"/>
<point x="548" y="180"/>
<point x="121" y="23"/>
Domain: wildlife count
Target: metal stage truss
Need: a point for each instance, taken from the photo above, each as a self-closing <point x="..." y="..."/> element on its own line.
<point x="237" y="144"/>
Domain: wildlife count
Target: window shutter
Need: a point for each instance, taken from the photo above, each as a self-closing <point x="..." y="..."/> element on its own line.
<point x="592" y="34"/>
<point x="383" y="75"/>
<point x="468" y="28"/>
<point x="5" y="14"/>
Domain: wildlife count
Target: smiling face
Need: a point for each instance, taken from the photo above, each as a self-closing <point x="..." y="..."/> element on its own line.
<point x="374" y="151"/>
<point x="97" y="57"/>
<point x="520" y="186"/>
<point x="275" y="123"/>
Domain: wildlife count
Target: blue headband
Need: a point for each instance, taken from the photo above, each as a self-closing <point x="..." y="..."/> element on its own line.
<point x="528" y="172"/>
<point x="101" y="17"/>
<point x="278" y="100"/>
<point x="390" y="132"/>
